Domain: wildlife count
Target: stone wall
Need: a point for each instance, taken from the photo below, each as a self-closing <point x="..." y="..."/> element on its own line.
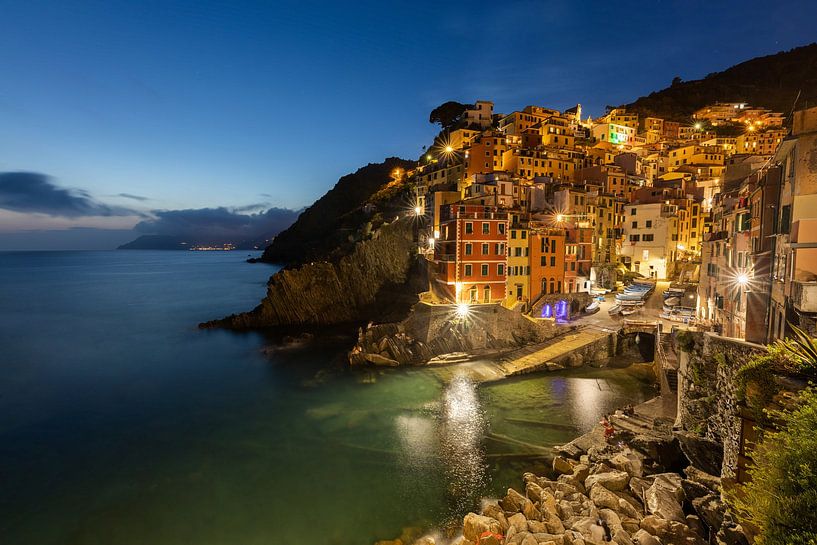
<point x="361" y="286"/>
<point x="708" y="390"/>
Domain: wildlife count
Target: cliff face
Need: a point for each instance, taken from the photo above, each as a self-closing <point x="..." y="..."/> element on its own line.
<point x="433" y="330"/>
<point x="321" y="231"/>
<point x="377" y="280"/>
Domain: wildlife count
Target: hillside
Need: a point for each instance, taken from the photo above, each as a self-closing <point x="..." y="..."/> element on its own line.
<point x="771" y="81"/>
<point x="323" y="229"/>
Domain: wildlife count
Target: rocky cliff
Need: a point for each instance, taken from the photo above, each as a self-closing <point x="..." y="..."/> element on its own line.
<point x="322" y="230"/>
<point x="434" y="330"/>
<point x="378" y="280"/>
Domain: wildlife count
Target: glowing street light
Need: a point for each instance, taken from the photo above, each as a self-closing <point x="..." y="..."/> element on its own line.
<point x="449" y="149"/>
<point x="742" y="279"/>
<point x="431" y="242"/>
<point x="463" y="309"/>
<point x="560" y="218"/>
<point x="418" y="210"/>
<point x="698" y="126"/>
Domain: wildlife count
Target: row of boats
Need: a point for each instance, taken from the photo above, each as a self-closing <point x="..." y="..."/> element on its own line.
<point x="677" y="304"/>
<point x="633" y="298"/>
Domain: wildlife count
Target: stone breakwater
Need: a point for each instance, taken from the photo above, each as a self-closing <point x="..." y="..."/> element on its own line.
<point x="630" y="492"/>
<point x="433" y="330"/>
<point x="372" y="281"/>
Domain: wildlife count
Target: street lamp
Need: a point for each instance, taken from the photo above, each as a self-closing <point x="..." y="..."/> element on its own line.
<point x="463" y="309"/>
<point x="742" y="279"/>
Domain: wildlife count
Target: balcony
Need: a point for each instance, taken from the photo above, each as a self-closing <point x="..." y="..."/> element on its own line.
<point x="804" y="296"/>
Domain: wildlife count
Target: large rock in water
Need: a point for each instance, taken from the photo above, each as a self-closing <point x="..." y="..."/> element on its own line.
<point x="351" y="290"/>
<point x="474" y="525"/>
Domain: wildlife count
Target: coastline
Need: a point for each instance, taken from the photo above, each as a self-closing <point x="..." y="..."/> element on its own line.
<point x="637" y="488"/>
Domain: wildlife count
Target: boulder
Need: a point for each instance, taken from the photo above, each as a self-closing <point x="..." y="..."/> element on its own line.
<point x="630" y="525"/>
<point x="638" y="485"/>
<point x="554" y="525"/>
<point x="662" y="502"/>
<point x="581" y="471"/>
<point x="630" y="461"/>
<point x="612" y="519"/>
<point x="695" y="524"/>
<point x="474" y="525"/>
<point x="562" y="465"/>
<point x="572" y="480"/>
<point x="377" y="359"/>
<point x="518" y="522"/>
<point x="622" y="538"/>
<point x="495" y="512"/>
<point x="732" y="535"/>
<point x="693" y="490"/>
<point x="611" y="480"/>
<point x="536" y="526"/>
<point x="711" y="510"/>
<point x="641" y="537"/>
<point x="603" y="497"/>
<point x="531" y="512"/>
<point x="533" y="491"/>
<point x="547" y="504"/>
<point x="712" y="482"/>
<point x="513" y="502"/>
<point x="702" y="453"/>
<point x="670" y="482"/>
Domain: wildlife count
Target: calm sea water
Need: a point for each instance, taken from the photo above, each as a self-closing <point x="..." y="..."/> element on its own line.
<point x="121" y="423"/>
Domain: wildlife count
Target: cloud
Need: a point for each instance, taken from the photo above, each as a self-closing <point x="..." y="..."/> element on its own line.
<point x="217" y="224"/>
<point x="35" y="193"/>
<point x="132" y="197"/>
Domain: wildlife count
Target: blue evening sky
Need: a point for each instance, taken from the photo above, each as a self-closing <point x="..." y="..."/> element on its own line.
<point x="204" y="104"/>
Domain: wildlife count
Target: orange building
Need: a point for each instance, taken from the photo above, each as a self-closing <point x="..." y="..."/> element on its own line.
<point x="470" y="256"/>
<point x="547" y="261"/>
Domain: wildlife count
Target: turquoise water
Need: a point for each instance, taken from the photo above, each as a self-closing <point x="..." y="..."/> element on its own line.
<point x="121" y="423"/>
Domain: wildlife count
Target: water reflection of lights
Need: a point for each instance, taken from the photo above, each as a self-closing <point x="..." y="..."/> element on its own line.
<point x="462" y="429"/>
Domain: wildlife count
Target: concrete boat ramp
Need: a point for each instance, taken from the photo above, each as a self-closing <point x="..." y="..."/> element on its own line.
<point x="570" y="350"/>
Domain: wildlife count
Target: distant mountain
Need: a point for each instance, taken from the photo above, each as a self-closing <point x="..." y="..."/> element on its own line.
<point x="155" y="242"/>
<point x="323" y="229"/>
<point x="772" y="81"/>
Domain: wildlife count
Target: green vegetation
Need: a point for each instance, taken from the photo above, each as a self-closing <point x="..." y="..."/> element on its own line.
<point x="448" y="115"/>
<point x="781" y="499"/>
<point x="322" y="230"/>
<point x="755" y="379"/>
<point x="685" y="340"/>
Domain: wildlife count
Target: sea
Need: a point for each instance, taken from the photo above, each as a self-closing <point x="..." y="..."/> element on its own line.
<point x="123" y="423"/>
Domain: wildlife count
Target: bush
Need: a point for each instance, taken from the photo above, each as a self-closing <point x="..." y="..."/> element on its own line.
<point x="781" y="499"/>
<point x="760" y="372"/>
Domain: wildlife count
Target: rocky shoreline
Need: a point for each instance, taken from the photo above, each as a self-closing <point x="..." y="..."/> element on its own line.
<point x="640" y="487"/>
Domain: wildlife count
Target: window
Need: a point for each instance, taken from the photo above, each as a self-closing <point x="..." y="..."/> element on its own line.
<point x="635" y="225"/>
<point x="632" y="211"/>
<point x="649" y="224"/>
<point x="468" y="248"/>
<point x="513" y="233"/>
<point x="647" y="238"/>
<point x="501" y="228"/>
<point x="500" y="269"/>
<point x="524" y="235"/>
<point x="467" y="270"/>
<point x="635" y="238"/>
<point x="517" y="252"/>
<point x="486" y="249"/>
<point x="484" y="270"/>
<point x="486" y="228"/>
<point x="469" y="228"/>
<point x="553" y="261"/>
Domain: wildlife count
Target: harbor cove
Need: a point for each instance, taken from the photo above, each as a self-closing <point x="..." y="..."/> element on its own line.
<point x="157" y="432"/>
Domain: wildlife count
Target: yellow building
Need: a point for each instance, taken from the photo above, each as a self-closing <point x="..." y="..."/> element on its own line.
<point x="518" y="270"/>
<point x="760" y="142"/>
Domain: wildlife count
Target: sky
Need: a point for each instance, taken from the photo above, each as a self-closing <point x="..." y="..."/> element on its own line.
<point x="137" y="108"/>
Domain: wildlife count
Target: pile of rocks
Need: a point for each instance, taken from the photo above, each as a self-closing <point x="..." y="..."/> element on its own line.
<point x="607" y="495"/>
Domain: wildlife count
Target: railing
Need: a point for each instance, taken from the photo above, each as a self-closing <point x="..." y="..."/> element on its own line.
<point x="445" y="257"/>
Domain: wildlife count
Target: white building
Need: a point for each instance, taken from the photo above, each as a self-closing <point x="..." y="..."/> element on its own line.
<point x="650" y="239"/>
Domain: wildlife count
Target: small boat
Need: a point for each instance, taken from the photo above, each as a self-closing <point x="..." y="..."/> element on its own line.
<point x="615" y="309"/>
<point x="629" y="310"/>
<point x="672" y="301"/>
<point x="592" y="307"/>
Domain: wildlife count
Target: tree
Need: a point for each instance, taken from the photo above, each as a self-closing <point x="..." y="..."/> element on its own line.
<point x="676" y="81"/>
<point x="781" y="499"/>
<point x="447" y="114"/>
